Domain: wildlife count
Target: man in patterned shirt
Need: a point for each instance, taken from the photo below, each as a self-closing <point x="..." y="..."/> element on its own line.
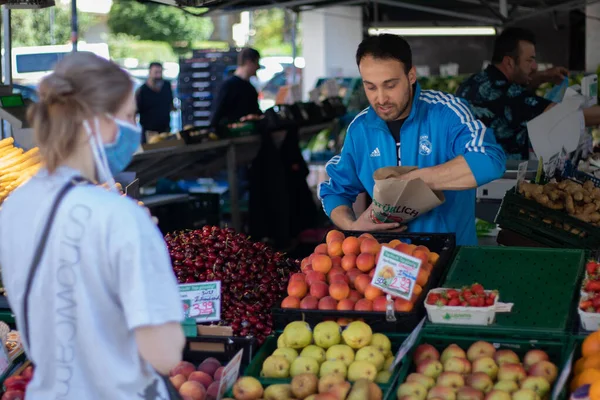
<point x="503" y="97"/>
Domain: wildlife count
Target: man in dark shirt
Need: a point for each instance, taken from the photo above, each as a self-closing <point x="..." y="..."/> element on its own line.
<point x="502" y="96"/>
<point x="155" y="102"/>
<point x="237" y="99"/>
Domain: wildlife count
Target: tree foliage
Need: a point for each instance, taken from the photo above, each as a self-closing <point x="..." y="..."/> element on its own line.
<point x="155" y="22"/>
<point x="273" y="32"/>
<point x="32" y="27"/>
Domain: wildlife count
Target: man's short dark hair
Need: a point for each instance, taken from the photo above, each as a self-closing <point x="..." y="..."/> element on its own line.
<point x="507" y="43"/>
<point x="384" y="47"/>
<point x="155" y="64"/>
<point x="248" y="54"/>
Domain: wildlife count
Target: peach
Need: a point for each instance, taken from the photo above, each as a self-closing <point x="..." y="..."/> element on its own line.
<point x="184" y="368"/>
<point x="186" y="398"/>
<point x="380" y="303"/>
<point x="202" y="377"/>
<point x="395" y="243"/>
<point x="298" y="277"/>
<point x="314" y="276"/>
<point x="366" y="236"/>
<point x="334" y="271"/>
<point x="346" y="305"/>
<point x="417" y="289"/>
<point x="334" y="235"/>
<point x="327" y="303"/>
<point x="178" y="380"/>
<point x="219" y="373"/>
<point x="365" y="262"/>
<point x="321" y="249"/>
<point x="339" y="290"/>
<point x="422" y="277"/>
<point x="352" y="274"/>
<point x="363" y="305"/>
<point x="371" y="246"/>
<point x="213" y="390"/>
<point x="377" y="258"/>
<point x="348" y="262"/>
<point x="321" y="263"/>
<point x="319" y="289"/>
<point x="372" y="292"/>
<point x="305" y="261"/>
<point x="433" y="258"/>
<point x="354" y="296"/>
<point x="193" y="389"/>
<point x="404" y="248"/>
<point x="402" y="305"/>
<point x="422" y="248"/>
<point x="306" y="268"/>
<point x="372" y="273"/>
<point x="290" y="302"/>
<point x="421" y="255"/>
<point x="361" y="282"/>
<point x="351" y="246"/>
<point x="336" y="262"/>
<point x="335" y="249"/>
<point x="309" y="303"/>
<point x="297" y="289"/>
<point x="427" y="267"/>
<point x="340" y="278"/>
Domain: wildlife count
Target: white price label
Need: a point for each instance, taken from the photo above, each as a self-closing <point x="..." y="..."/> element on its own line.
<point x="521" y="172"/>
<point x="563" y="377"/>
<point x="230" y="374"/>
<point x="408" y="343"/>
<point x="396" y="273"/>
<point x="202" y="301"/>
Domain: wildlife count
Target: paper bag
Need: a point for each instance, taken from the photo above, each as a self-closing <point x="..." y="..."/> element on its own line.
<point x="398" y="200"/>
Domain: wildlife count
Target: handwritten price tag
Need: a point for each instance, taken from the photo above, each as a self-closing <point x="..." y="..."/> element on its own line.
<point x="202" y="301"/>
<point x="408" y="343"/>
<point x="396" y="273"/>
<point x="230" y="374"/>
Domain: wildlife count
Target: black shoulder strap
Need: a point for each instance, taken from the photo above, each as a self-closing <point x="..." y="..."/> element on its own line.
<point x="39" y="251"/>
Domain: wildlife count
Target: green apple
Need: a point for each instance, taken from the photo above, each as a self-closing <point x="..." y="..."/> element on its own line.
<point x="441" y="392"/>
<point x="340" y="352"/>
<point x="361" y="370"/>
<point x="315" y="352"/>
<point x="480" y="349"/>
<point x="497" y="395"/>
<point x="430" y="367"/>
<point x="288" y="353"/>
<point x="297" y="335"/>
<point x="424" y="380"/>
<point x="276" y="367"/>
<point x="452" y="351"/>
<point x="511" y="372"/>
<point x="525" y="394"/>
<point x="486" y="365"/>
<point x="507" y="386"/>
<point x="453" y="380"/>
<point x="372" y="355"/>
<point x="357" y="335"/>
<point x="304" y="365"/>
<point x="333" y="367"/>
<point x="382" y="343"/>
<point x="538" y="384"/>
<point x="327" y="334"/>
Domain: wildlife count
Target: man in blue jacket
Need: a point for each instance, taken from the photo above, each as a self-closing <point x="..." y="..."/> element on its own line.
<point x="408" y="126"/>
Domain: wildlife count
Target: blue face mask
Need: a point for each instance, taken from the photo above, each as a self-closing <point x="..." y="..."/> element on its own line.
<point x="120" y="152"/>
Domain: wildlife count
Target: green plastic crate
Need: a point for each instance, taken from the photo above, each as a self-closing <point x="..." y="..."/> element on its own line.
<point x="556" y="351"/>
<point x="543" y="284"/>
<point x="270" y="345"/>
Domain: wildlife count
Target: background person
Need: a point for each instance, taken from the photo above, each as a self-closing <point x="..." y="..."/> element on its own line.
<point x="95" y="322"/>
<point x="406" y="126"/>
<point x="155" y="102"/>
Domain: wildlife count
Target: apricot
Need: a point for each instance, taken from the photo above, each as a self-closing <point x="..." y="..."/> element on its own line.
<point x="178" y="380"/>
<point x="413" y="247"/>
<point x="367" y="236"/>
<point x="421" y="255"/>
<point x="298" y="277"/>
<point x="433" y="258"/>
<point x="290" y="302"/>
<point x="361" y="283"/>
<point x="336" y="261"/>
<point x="404" y="248"/>
<point x="327" y="303"/>
<point x="306" y="268"/>
<point x="423" y="249"/>
<point x="372" y="292"/>
<point x="417" y="289"/>
<point x="354" y="296"/>
<point x="319" y="289"/>
<point x="348" y="262"/>
<point x="346" y="305"/>
<point x="309" y="303"/>
<point x="365" y="262"/>
<point x="193" y="389"/>
<point x="372" y="273"/>
<point x="352" y="274"/>
<point x="297" y="289"/>
<point x="380" y="303"/>
<point x="335" y="271"/>
<point x="402" y="305"/>
<point x="370" y="246"/>
<point x="335" y="249"/>
<point x="343" y="322"/>
<point x="305" y="261"/>
<point x="363" y="305"/>
<point x="314" y="276"/>
<point x="339" y="290"/>
<point x="321" y="249"/>
<point x="351" y="245"/>
<point x="322" y="263"/>
<point x="427" y="267"/>
<point x="334" y="235"/>
<point x="340" y="278"/>
<point x="422" y="277"/>
<point x="395" y="243"/>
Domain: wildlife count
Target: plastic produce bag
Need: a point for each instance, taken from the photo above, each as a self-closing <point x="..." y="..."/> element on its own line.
<point x="557" y="93"/>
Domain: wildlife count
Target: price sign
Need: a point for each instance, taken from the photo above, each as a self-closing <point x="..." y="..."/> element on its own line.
<point x="396" y="273"/>
<point x="521" y="172"/>
<point x="551" y="165"/>
<point x="230" y="374"/>
<point x="563" y="377"/>
<point x="202" y="301"/>
<point x="408" y="343"/>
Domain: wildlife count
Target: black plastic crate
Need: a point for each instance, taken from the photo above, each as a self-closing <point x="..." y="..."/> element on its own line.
<point x="571" y="172"/>
<point x="553" y="228"/>
<point x="223" y="348"/>
<point x="443" y="244"/>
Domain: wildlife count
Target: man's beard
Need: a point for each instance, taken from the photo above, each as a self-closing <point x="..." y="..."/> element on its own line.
<point x="394" y="116"/>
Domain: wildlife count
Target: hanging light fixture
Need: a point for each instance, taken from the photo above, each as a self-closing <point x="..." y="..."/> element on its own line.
<point x="436" y="31"/>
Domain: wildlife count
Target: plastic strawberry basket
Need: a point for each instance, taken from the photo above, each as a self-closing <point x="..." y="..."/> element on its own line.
<point x="270" y="345"/>
<point x="443" y="244"/>
<point x="552" y="228"/>
<point x="556" y="351"/>
<point x="543" y="285"/>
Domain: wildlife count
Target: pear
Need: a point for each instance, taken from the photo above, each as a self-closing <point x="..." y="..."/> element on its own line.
<point x="297" y="335"/>
<point x="357" y="335"/>
<point x="278" y="392"/>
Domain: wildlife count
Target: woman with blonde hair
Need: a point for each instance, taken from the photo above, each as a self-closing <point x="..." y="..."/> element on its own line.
<point x="87" y="273"/>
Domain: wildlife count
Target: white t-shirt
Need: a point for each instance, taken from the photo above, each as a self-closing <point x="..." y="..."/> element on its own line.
<point x="105" y="271"/>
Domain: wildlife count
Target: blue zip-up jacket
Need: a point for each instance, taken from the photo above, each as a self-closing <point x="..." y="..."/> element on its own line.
<point x="440" y="127"/>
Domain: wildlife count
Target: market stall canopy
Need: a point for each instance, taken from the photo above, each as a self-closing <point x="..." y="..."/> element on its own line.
<point x="26" y="4"/>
